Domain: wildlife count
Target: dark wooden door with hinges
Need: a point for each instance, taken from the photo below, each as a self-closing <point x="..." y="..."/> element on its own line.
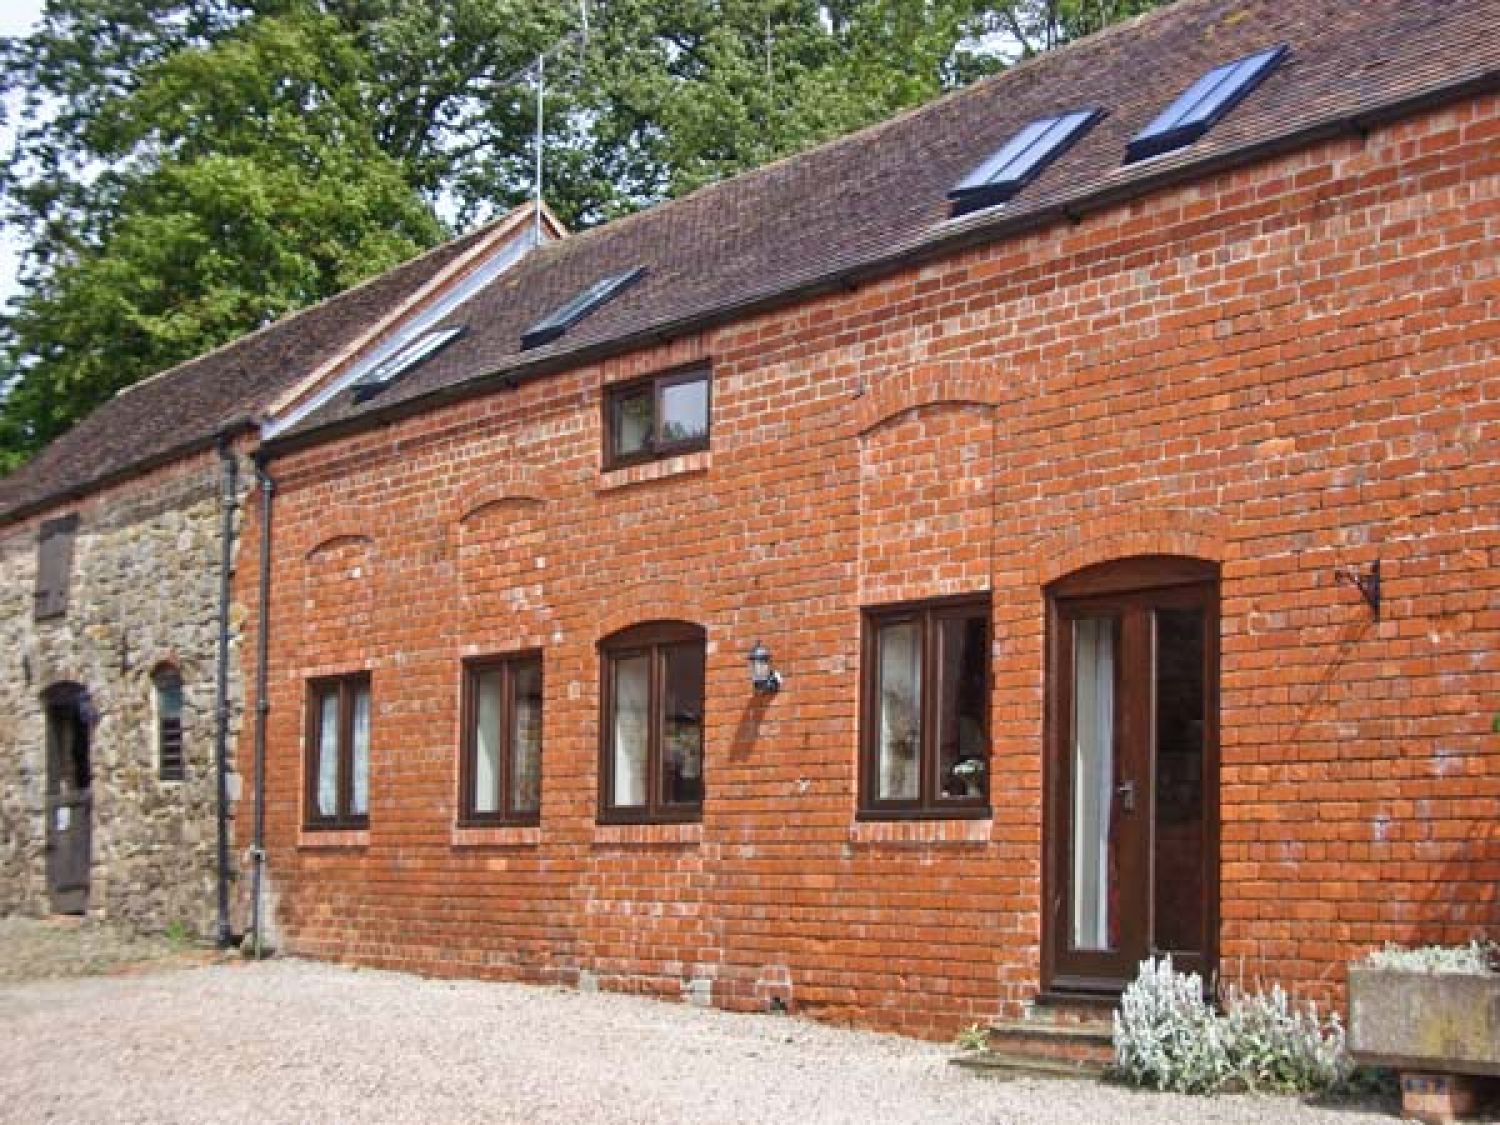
<point x="1132" y="816"/>
<point x="69" y="800"/>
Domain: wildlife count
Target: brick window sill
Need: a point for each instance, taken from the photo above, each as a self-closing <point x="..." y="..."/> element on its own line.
<point x="920" y="831"/>
<point x="681" y="465"/>
<point x="691" y="833"/>
<point x="333" y="838"/>
<point x="497" y="836"/>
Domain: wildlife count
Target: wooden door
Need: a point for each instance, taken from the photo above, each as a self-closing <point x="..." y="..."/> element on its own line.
<point x="1132" y="818"/>
<point x="69" y="800"/>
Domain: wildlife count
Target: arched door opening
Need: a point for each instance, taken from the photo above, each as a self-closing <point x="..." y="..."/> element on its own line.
<point x="69" y="798"/>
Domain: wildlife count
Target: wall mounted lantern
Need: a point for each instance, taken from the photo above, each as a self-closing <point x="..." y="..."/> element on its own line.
<point x="763" y="678"/>
<point x="1366" y="581"/>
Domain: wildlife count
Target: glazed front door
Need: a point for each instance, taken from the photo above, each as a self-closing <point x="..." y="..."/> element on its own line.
<point x="1132" y="825"/>
<point x="69" y="802"/>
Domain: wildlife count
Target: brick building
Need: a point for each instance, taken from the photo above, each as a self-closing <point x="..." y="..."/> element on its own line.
<point x="1104" y="460"/>
<point x="1118" y="514"/>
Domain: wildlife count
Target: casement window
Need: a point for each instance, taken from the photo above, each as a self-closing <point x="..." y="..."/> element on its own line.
<point x="924" y="728"/>
<point x="54" y="566"/>
<point x="651" y="744"/>
<point x="171" y="763"/>
<point x="338" y="752"/>
<point x="501" y="769"/>
<point x="658" y="417"/>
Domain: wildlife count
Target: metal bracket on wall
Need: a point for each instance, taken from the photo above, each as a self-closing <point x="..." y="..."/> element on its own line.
<point x="1366" y="581"/>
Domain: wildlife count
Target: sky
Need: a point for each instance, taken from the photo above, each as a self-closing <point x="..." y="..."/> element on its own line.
<point x="16" y="18"/>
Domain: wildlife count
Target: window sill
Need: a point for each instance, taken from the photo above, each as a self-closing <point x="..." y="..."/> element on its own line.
<point x="497" y="836"/>
<point x="685" y="833"/>
<point x="681" y="465"/>
<point x="969" y="831"/>
<point x="333" y="838"/>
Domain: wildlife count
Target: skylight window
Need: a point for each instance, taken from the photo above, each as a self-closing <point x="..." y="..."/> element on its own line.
<point x="398" y="363"/>
<point x="1020" y="161"/>
<point x="551" y="327"/>
<point x="1203" y="104"/>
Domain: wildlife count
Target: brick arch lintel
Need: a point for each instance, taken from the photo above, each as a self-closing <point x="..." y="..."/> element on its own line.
<point x="639" y="604"/>
<point x="340" y="534"/>
<point x="946" y="382"/>
<point x="1190" y="532"/>
<point x="517" y="480"/>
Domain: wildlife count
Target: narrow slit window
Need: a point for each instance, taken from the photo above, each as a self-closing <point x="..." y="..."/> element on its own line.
<point x="1020" y="160"/>
<point x="170" y="759"/>
<point x="552" y="326"/>
<point x="387" y="371"/>
<point x="1204" y="104"/>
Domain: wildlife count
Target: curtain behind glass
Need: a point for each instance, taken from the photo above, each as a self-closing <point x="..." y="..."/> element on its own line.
<point x="899" y="777"/>
<point x="359" y="800"/>
<point x="632" y="699"/>
<point x="328" y="754"/>
<point x="1093" y="779"/>
<point x="487" y="743"/>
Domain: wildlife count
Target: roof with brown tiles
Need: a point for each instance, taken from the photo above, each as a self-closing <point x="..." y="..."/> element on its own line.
<point x="876" y="200"/>
<point x="188" y="406"/>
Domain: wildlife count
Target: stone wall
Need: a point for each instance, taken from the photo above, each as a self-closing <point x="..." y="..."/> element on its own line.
<point x="144" y="592"/>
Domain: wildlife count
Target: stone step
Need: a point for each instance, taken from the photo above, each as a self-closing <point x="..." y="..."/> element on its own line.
<point x="999" y="1064"/>
<point x="1090" y="1042"/>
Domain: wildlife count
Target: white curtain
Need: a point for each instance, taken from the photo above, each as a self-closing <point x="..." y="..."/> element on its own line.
<point x="1093" y="778"/>
<point x="328" y="754"/>
<point x="359" y="803"/>
<point x="487" y="745"/>
<point x="632" y="700"/>
<point x="900" y="711"/>
<point x="526" y="738"/>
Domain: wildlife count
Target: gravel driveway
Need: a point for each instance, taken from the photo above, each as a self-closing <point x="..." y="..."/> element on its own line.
<point x="294" y="1041"/>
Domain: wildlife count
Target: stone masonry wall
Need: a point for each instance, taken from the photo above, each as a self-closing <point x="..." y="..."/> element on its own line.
<point x="144" y="592"/>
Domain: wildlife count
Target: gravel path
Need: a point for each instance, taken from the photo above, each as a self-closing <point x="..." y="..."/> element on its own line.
<point x="293" y="1041"/>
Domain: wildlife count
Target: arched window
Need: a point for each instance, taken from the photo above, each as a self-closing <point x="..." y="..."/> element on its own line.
<point x="651" y="737"/>
<point x="171" y="762"/>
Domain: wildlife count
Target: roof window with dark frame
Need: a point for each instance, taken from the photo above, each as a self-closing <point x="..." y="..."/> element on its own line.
<point x="553" y="325"/>
<point x="1204" y="104"/>
<point x="388" y="370"/>
<point x="1020" y="160"/>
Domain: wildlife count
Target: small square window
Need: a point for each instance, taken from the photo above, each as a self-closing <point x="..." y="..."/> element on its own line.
<point x="501" y="769"/>
<point x="658" y="417"/>
<point x="925" y="730"/>
<point x="338" y="752"/>
<point x="651" y="753"/>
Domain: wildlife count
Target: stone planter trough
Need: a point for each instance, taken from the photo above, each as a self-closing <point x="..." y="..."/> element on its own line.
<point x="1445" y="1023"/>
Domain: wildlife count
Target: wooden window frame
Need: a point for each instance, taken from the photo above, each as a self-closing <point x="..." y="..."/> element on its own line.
<point x="930" y="803"/>
<point x="54" y="566"/>
<point x="346" y="686"/>
<point x="658" y="449"/>
<point x="507" y="814"/>
<point x="653" y="640"/>
<point x="171" y="762"/>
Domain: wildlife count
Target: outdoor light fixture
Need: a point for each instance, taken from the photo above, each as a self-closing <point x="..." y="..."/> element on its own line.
<point x="763" y="678"/>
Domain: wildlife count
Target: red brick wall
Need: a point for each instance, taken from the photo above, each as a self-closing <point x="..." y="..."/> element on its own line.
<point x="1284" y="370"/>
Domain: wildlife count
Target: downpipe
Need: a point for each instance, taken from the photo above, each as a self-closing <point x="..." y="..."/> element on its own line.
<point x="224" y="935"/>
<point x="262" y="707"/>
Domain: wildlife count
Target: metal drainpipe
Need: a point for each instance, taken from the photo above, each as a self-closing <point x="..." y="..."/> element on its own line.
<point x="263" y="614"/>
<point x="230" y="464"/>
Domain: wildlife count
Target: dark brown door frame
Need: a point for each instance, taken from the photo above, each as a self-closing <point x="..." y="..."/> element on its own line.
<point x="1141" y="579"/>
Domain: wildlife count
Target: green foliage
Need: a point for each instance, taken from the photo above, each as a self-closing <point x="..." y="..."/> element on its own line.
<point x="1481" y="957"/>
<point x="975" y="1037"/>
<point x="1169" y="1037"/>
<point x="188" y="170"/>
